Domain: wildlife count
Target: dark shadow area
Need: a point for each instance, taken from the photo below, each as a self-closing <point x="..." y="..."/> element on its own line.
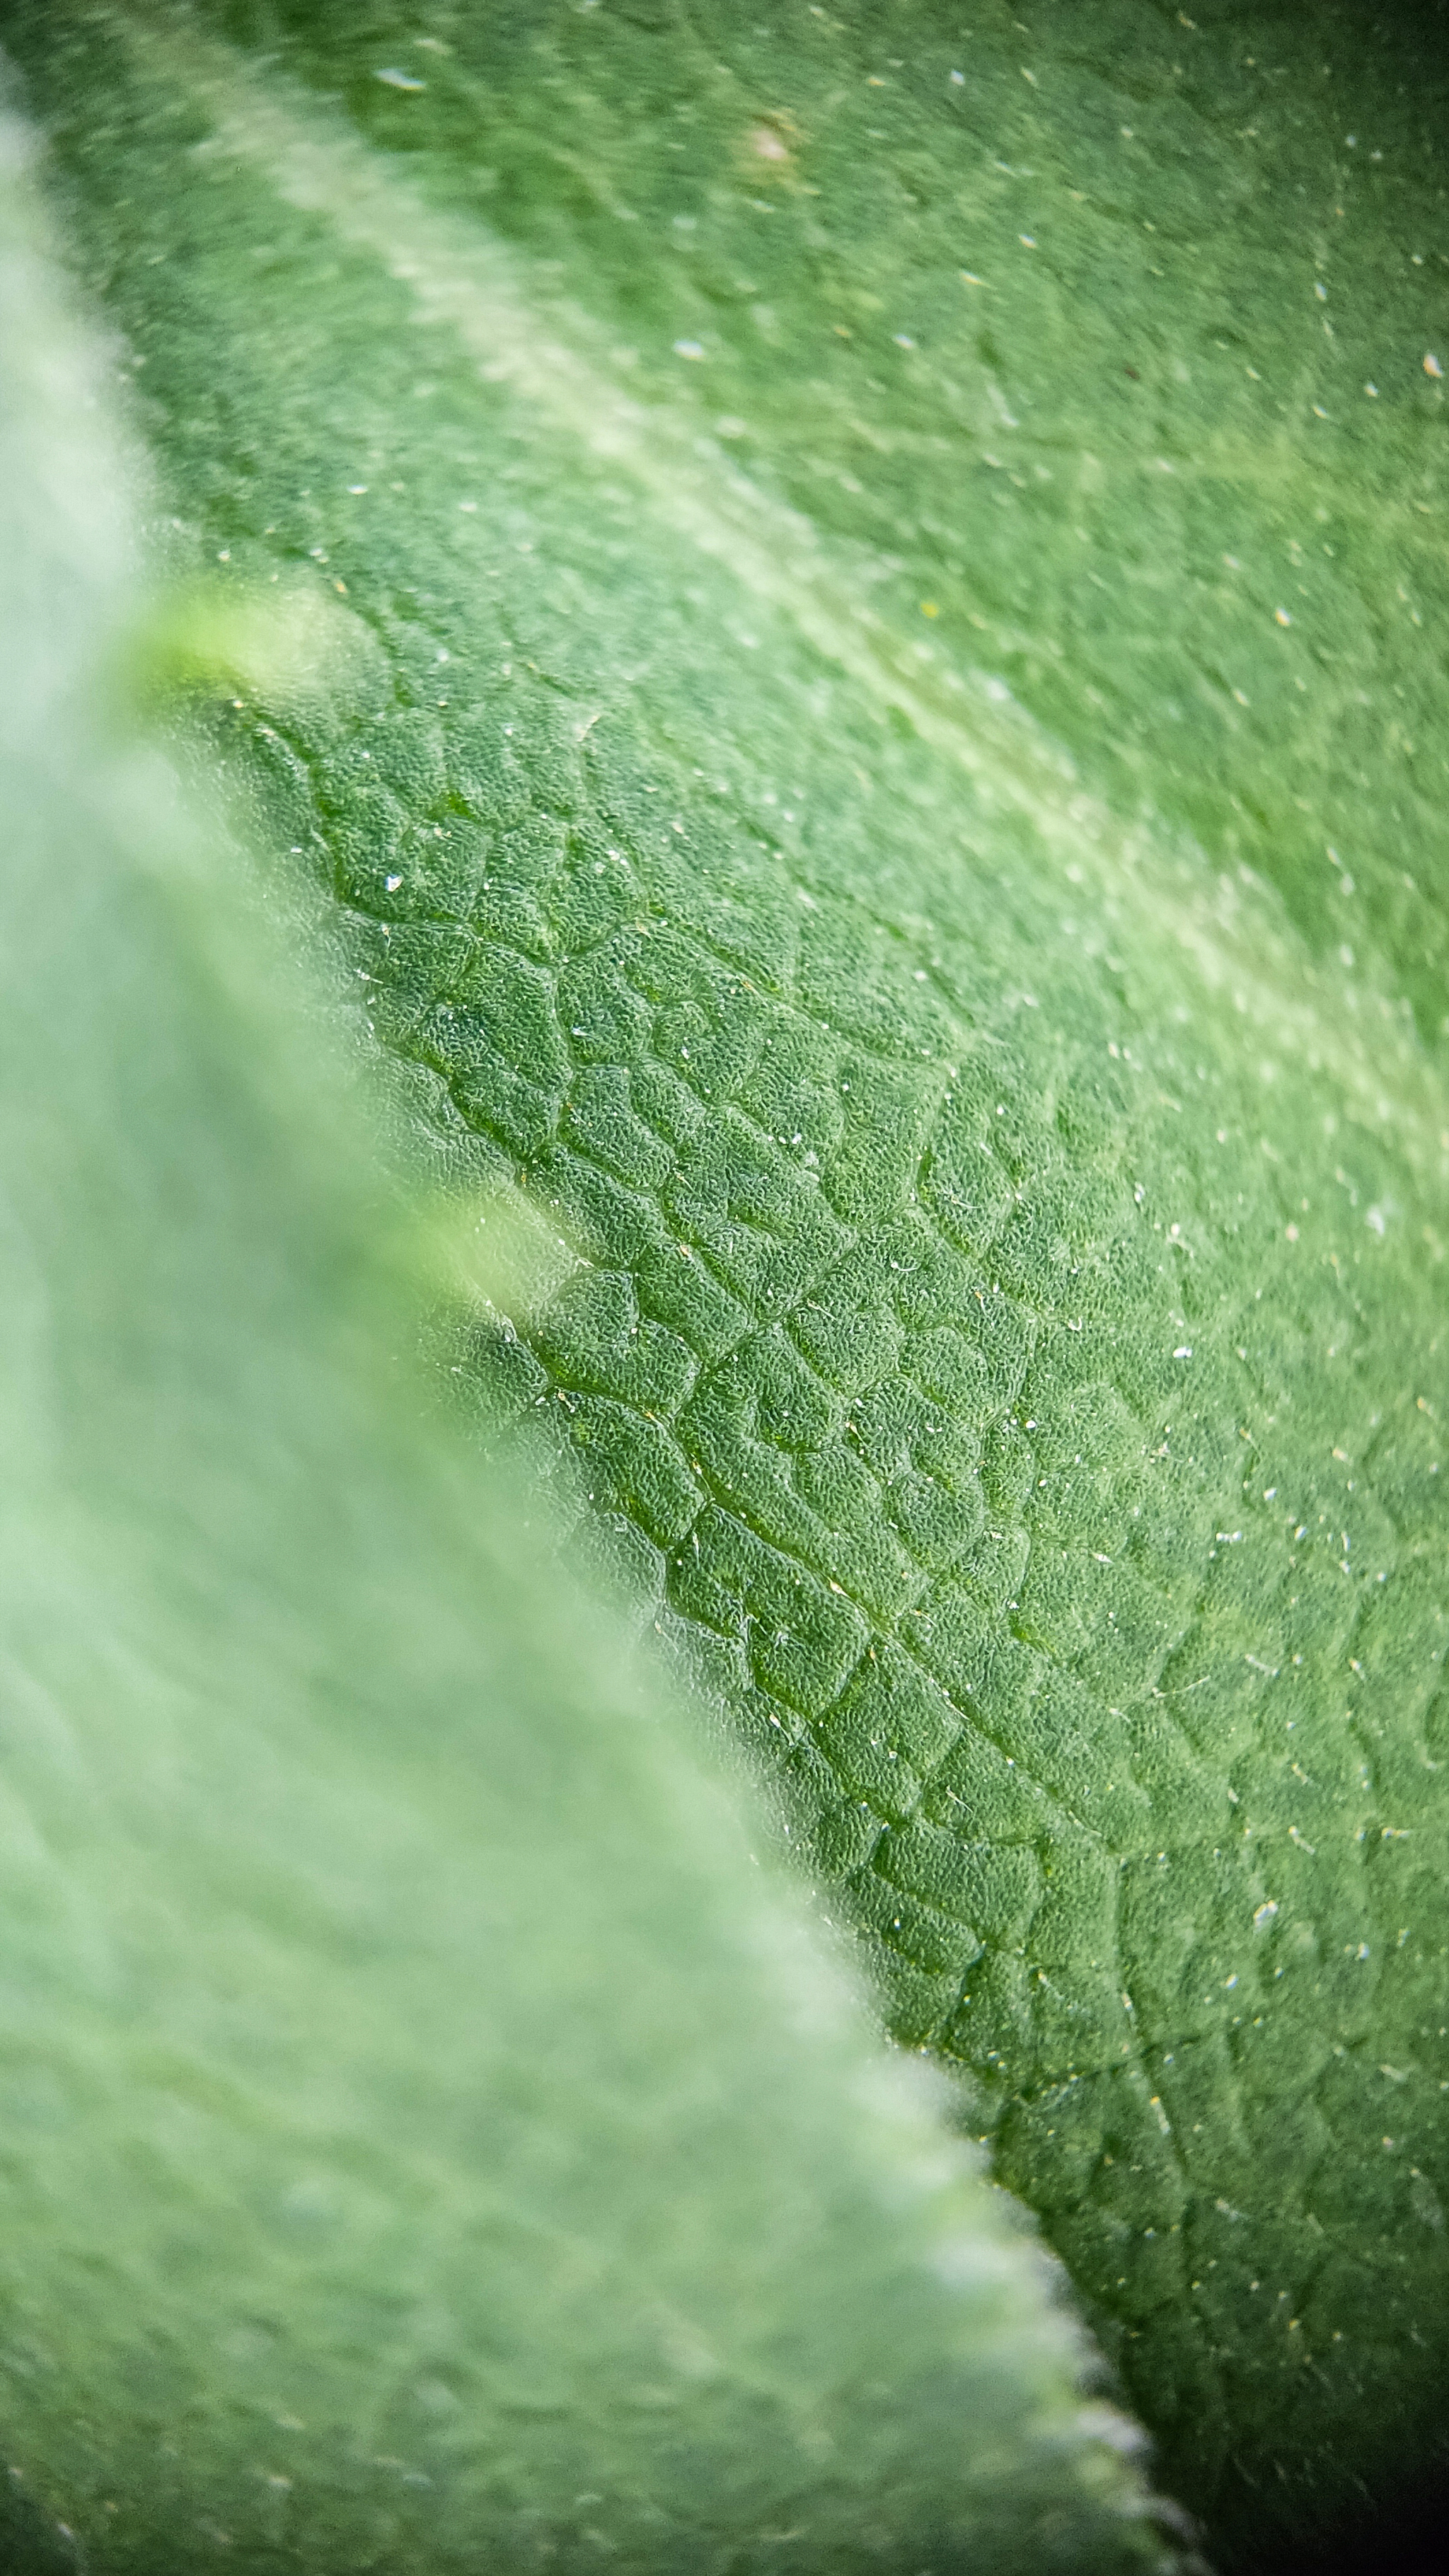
<point x="1406" y="2537"/>
<point x="28" y="2538"/>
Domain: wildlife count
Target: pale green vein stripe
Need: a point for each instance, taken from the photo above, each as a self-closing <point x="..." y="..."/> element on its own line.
<point x="462" y="276"/>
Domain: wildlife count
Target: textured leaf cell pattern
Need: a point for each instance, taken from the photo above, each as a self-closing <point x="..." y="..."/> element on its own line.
<point x="876" y="759"/>
<point x="432" y="2138"/>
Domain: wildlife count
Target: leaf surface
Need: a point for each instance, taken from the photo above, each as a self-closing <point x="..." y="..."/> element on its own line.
<point x="881" y="771"/>
<point x="431" y="2138"/>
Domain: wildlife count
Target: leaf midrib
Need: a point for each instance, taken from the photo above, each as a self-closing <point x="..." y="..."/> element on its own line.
<point x="463" y="276"/>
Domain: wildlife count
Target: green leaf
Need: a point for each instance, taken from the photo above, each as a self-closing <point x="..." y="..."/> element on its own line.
<point x="871" y="735"/>
<point x="431" y="2139"/>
